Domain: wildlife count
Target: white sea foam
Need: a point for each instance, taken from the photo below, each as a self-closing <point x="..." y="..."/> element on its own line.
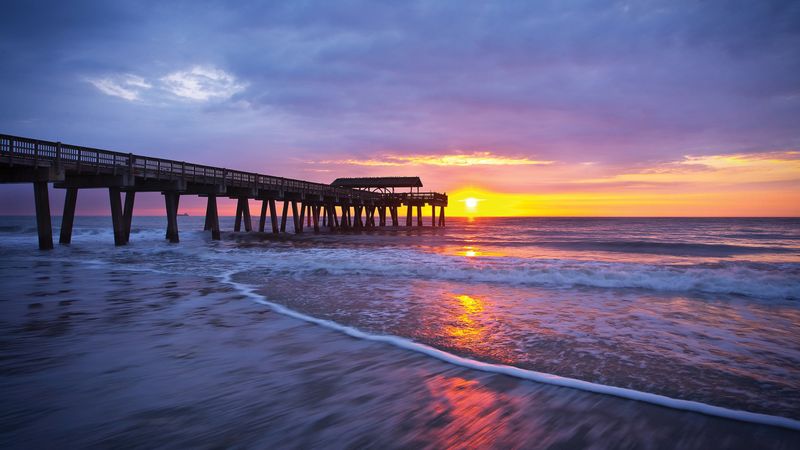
<point x="540" y="377"/>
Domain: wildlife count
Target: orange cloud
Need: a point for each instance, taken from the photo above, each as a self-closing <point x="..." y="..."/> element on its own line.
<point x="743" y="184"/>
<point x="723" y="169"/>
<point x="456" y="159"/>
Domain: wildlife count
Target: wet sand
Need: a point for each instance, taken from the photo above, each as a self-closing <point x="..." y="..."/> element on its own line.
<point x="93" y="357"/>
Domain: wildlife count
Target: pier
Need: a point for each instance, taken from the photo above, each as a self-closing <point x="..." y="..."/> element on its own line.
<point x="346" y="204"/>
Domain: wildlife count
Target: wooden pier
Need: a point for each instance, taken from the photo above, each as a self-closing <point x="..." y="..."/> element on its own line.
<point x="347" y="204"/>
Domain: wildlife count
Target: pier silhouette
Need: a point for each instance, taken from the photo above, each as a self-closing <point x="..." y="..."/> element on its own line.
<point x="338" y="206"/>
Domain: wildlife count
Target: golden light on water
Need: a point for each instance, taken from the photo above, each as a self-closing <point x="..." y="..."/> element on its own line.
<point x="470" y="304"/>
<point x="467" y="331"/>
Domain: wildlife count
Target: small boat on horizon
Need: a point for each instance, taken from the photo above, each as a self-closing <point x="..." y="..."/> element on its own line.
<point x="183" y="214"/>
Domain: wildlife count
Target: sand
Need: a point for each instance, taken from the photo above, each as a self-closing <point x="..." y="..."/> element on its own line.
<point x="104" y="357"/>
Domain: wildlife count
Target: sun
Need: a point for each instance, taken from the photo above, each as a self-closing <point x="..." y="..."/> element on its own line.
<point x="471" y="202"/>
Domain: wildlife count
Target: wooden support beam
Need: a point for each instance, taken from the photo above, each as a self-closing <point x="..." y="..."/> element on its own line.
<point x="345" y="223"/>
<point x="127" y="215"/>
<point x="433" y="215"/>
<point x="395" y="216"/>
<point x="43" y="224"/>
<point x="273" y="216"/>
<point x="167" y="208"/>
<point x="382" y="214"/>
<point x="237" y="224"/>
<point x="324" y="216"/>
<point x="419" y="215"/>
<point x="213" y="214"/>
<point x="68" y="219"/>
<point x="441" y="216"/>
<point x="408" y="216"/>
<point x="285" y="214"/>
<point x="262" y="218"/>
<point x="248" y="221"/>
<point x="209" y="201"/>
<point x="315" y="213"/>
<point x="357" y="221"/>
<point x="370" y="216"/>
<point x="297" y="221"/>
<point x="302" y="216"/>
<point x="207" y="224"/>
<point x="308" y="214"/>
<point x="171" y="201"/>
<point x="334" y="220"/>
<point x="116" y="216"/>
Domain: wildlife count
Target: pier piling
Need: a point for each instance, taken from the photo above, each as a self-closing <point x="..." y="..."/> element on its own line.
<point x="68" y="218"/>
<point x="213" y="217"/>
<point x="284" y="216"/>
<point x="297" y="221"/>
<point x="127" y="215"/>
<point x="43" y="223"/>
<point x="171" y="201"/>
<point x="262" y="218"/>
<point x="116" y="216"/>
<point x="273" y="216"/>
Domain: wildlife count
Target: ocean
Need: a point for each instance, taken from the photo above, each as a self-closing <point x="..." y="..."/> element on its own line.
<point x="675" y="321"/>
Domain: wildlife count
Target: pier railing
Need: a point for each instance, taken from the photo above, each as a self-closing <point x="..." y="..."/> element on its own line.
<point x="427" y="197"/>
<point x="40" y="153"/>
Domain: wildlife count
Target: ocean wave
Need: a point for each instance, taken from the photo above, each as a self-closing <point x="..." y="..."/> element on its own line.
<point x="531" y="375"/>
<point x="667" y="248"/>
<point x="757" y="280"/>
<point x="743" y="278"/>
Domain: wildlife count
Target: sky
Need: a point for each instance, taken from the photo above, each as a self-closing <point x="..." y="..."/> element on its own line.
<point x="646" y="108"/>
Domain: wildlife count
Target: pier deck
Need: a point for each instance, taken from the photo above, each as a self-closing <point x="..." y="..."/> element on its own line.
<point x="317" y="205"/>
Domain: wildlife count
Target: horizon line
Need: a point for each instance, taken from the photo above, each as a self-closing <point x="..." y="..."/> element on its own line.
<point x="468" y="217"/>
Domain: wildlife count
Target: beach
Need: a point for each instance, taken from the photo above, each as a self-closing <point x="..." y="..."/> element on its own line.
<point x="177" y="345"/>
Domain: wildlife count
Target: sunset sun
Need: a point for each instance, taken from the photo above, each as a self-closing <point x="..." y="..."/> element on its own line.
<point x="471" y="202"/>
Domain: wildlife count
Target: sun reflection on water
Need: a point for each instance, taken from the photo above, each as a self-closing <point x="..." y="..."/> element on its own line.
<point x="469" y="414"/>
<point x="467" y="331"/>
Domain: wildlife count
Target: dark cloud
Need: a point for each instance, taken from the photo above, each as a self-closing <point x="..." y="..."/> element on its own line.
<point x="574" y="80"/>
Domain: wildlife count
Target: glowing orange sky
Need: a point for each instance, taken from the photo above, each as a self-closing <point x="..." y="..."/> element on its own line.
<point x="754" y="184"/>
<point x="536" y="108"/>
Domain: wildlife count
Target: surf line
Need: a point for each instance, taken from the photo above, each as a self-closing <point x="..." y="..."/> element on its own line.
<point x="525" y="374"/>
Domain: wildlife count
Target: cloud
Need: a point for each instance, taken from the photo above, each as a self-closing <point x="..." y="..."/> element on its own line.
<point x="618" y="83"/>
<point x="202" y="83"/>
<point x="738" y="168"/>
<point x="125" y="86"/>
<point x="457" y="159"/>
